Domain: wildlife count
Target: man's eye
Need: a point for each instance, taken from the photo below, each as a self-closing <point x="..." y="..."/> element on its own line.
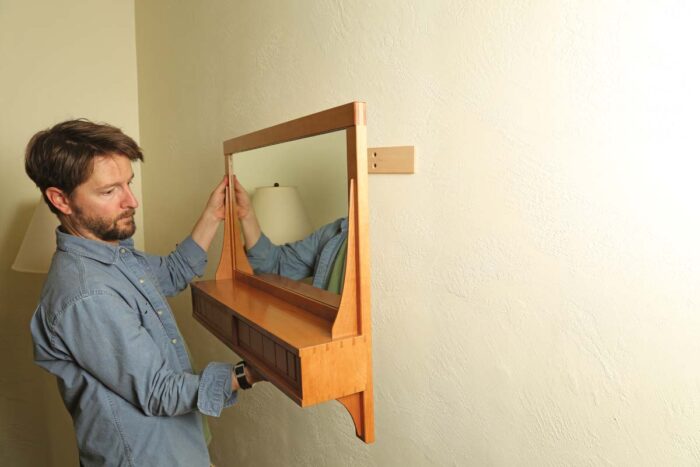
<point x="108" y="192"/>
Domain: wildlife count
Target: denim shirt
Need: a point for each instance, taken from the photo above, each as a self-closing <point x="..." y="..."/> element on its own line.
<point x="105" y="329"/>
<point x="313" y="255"/>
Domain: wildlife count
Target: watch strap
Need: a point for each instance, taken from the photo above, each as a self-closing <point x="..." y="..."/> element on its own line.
<point x="239" y="373"/>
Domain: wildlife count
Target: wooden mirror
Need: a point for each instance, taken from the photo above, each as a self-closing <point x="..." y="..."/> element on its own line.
<point x="299" y="193"/>
<point x="312" y="344"/>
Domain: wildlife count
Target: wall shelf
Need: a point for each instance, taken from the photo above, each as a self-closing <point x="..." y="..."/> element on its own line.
<point x="313" y="345"/>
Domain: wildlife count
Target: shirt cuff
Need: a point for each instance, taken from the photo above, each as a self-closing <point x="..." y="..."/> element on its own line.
<point x="215" y="389"/>
<point x="194" y="254"/>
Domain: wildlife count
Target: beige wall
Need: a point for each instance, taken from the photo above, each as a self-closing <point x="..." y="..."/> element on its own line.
<point x="535" y="296"/>
<point x="58" y="60"/>
<point x="553" y="212"/>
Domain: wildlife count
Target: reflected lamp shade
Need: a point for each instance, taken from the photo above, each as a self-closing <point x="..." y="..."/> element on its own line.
<point x="39" y="243"/>
<point x="281" y="213"/>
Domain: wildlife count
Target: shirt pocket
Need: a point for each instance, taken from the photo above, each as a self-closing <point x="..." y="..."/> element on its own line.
<point x="151" y="321"/>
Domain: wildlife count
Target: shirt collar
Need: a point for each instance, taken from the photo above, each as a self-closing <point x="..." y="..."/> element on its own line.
<point x="107" y="253"/>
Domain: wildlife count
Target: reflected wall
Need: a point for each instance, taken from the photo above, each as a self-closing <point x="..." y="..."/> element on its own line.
<point x="316" y="166"/>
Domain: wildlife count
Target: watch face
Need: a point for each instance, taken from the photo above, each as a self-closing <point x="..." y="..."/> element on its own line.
<point x="240" y="376"/>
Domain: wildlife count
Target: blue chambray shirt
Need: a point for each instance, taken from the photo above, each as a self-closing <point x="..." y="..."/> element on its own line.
<point x="104" y="328"/>
<point x="312" y="255"/>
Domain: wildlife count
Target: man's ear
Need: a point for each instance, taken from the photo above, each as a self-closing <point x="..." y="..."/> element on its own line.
<point x="59" y="200"/>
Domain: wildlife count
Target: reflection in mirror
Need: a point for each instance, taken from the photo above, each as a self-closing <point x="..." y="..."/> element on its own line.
<point x="292" y="201"/>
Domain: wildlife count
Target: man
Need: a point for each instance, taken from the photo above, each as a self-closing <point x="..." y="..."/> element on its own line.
<point x="103" y="325"/>
<point x="320" y="257"/>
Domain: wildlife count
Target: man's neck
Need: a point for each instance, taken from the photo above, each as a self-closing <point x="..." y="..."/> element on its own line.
<point x="67" y="228"/>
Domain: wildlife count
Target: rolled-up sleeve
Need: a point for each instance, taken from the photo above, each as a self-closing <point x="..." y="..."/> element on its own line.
<point x="105" y="337"/>
<point x="177" y="269"/>
<point x="293" y="260"/>
<point x="215" y="389"/>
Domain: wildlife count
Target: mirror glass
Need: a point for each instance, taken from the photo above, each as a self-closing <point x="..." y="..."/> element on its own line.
<point x="299" y="192"/>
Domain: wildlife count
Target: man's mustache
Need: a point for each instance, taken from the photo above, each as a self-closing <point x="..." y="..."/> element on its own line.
<point x="127" y="214"/>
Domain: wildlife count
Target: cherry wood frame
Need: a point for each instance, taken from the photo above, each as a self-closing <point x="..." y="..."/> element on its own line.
<point x="313" y="345"/>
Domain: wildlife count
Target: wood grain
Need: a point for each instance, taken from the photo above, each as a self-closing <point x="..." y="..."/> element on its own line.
<point x="391" y="160"/>
<point x="337" y="118"/>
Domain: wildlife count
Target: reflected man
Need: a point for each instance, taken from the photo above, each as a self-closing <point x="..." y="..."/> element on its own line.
<point x="319" y="257"/>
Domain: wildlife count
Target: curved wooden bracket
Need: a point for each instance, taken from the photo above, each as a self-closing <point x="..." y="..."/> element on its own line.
<point x="346" y="320"/>
<point x="359" y="407"/>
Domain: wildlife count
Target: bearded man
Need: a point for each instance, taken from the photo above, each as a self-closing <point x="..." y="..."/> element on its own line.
<point x="103" y="326"/>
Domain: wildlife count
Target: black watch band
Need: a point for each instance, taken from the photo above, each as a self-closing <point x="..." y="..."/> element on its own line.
<point x="239" y="372"/>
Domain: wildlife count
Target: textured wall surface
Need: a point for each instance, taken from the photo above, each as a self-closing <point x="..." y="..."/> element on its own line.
<point x="534" y="284"/>
<point x="58" y="60"/>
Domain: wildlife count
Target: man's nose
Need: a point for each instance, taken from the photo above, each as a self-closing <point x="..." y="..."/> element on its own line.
<point x="130" y="200"/>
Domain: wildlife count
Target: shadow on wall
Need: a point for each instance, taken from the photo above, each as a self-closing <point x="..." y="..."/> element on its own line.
<point x="10" y="246"/>
<point x="30" y="406"/>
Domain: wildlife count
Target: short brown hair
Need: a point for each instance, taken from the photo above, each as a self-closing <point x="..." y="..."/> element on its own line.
<point x="62" y="156"/>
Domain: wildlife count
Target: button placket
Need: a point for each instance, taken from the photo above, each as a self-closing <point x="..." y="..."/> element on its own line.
<point x="156" y="300"/>
<point x="137" y="270"/>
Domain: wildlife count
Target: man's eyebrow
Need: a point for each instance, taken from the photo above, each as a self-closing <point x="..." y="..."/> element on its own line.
<point x="104" y="187"/>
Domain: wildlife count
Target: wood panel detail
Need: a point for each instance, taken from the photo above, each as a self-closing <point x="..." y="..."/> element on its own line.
<point x="277" y="357"/>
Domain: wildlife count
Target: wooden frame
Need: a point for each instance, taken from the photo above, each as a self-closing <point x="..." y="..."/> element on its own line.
<point x="312" y="345"/>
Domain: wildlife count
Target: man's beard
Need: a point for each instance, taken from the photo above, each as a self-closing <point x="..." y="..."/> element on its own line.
<point x="107" y="230"/>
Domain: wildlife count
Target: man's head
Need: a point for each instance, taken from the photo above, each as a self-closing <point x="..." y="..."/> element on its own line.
<point x="83" y="170"/>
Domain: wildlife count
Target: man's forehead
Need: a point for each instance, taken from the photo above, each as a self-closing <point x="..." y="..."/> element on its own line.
<point x="110" y="168"/>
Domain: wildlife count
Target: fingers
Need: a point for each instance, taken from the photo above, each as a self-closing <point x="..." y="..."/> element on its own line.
<point x="236" y="184"/>
<point x="221" y="187"/>
<point x="216" y="196"/>
<point x="241" y="194"/>
<point x="253" y="375"/>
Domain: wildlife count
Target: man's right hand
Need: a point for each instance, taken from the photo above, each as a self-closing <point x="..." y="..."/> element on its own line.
<point x="243" y="206"/>
<point x="246" y="214"/>
<point x="252" y="375"/>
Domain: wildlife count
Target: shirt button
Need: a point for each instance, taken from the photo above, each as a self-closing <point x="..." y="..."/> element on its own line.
<point x="141" y="281"/>
<point x="122" y="250"/>
<point x="160" y="312"/>
<point x="174" y="341"/>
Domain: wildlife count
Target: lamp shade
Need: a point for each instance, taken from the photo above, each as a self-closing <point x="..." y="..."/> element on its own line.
<point x="281" y="213"/>
<point x="39" y="243"/>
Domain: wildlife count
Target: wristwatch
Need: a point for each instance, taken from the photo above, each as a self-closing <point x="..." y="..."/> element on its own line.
<point x="239" y="372"/>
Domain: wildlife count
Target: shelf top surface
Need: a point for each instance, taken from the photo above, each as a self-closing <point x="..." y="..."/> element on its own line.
<point x="291" y="324"/>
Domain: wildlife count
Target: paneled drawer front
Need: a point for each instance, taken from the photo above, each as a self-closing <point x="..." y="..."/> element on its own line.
<point x="220" y="321"/>
<point x="284" y="362"/>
